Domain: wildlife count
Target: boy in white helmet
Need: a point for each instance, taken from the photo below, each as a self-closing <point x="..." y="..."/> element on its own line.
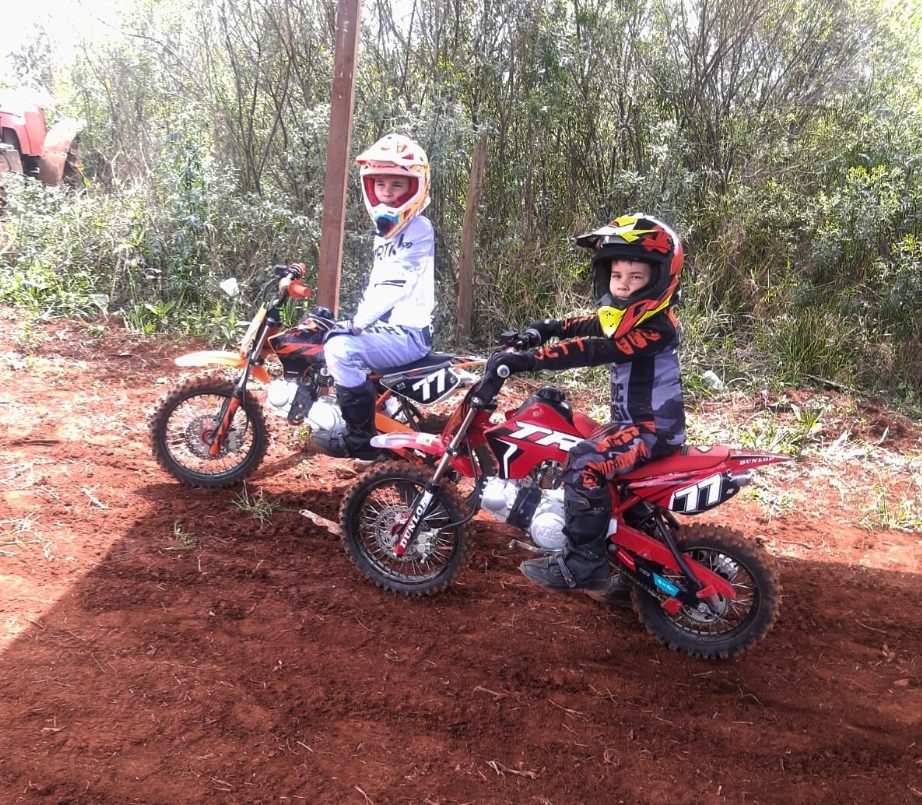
<point x="391" y="325"/>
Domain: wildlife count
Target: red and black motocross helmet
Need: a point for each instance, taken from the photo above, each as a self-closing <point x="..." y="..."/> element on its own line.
<point x="633" y="237"/>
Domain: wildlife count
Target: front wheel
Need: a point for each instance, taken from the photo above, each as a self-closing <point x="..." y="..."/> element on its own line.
<point x="721" y="627"/>
<point x="183" y="428"/>
<point x="373" y="514"/>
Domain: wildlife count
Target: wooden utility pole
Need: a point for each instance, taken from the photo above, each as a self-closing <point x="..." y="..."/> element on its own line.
<point x="468" y="233"/>
<point x="342" y="97"/>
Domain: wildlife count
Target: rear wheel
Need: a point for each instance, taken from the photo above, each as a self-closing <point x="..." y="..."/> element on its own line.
<point x="720" y="627"/>
<point x="182" y="431"/>
<point x="373" y="514"/>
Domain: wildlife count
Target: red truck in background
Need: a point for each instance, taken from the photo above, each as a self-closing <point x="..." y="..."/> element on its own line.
<point x="27" y="146"/>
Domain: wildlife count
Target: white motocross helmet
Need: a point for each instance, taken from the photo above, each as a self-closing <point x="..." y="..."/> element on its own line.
<point x="394" y="155"/>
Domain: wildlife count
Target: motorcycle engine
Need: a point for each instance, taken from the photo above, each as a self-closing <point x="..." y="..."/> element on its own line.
<point x="538" y="512"/>
<point x="325" y="416"/>
<point x="547" y="523"/>
<point x="280" y="394"/>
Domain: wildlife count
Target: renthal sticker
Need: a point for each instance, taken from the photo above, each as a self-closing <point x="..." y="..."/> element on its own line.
<point x="546" y="437"/>
<point x="700" y="496"/>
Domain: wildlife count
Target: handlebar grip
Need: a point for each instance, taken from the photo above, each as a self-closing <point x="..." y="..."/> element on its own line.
<point x="526" y="340"/>
<point x="531" y="338"/>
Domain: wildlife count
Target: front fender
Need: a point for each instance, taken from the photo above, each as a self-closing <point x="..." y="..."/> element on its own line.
<point x="214" y="357"/>
<point x="423" y="442"/>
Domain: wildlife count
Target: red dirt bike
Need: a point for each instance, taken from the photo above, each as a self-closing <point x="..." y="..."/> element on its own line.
<point x="701" y="589"/>
<point x="211" y="431"/>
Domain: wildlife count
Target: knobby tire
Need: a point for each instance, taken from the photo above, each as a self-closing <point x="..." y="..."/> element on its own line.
<point x="754" y="571"/>
<point x="178" y="452"/>
<point x="371" y="514"/>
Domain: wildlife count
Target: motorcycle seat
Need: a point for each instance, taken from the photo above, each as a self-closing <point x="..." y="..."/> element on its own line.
<point x="433" y="360"/>
<point x="684" y="459"/>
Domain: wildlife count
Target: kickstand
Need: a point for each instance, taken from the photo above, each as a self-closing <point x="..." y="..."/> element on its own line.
<point x="517" y="543"/>
<point x="317" y="519"/>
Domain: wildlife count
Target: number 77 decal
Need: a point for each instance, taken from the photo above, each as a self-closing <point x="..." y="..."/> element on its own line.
<point x="702" y="495"/>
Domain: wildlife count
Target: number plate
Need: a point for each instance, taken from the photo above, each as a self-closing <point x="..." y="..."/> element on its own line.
<point x="426" y="389"/>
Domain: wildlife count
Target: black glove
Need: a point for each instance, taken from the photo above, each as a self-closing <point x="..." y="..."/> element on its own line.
<point x="344" y="327"/>
<point x="503" y="364"/>
<point x="322" y="313"/>
<point x="287" y="273"/>
<point x="293" y="270"/>
<point x="547" y="328"/>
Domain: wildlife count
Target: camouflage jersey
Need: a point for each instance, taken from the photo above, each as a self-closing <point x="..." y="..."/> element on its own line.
<point x="646" y="386"/>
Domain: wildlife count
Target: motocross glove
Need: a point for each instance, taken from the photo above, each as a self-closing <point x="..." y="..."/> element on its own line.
<point x="322" y="313"/>
<point x="293" y="270"/>
<point x="341" y="328"/>
<point x="503" y="364"/>
<point x="287" y="273"/>
<point x="520" y="341"/>
<point x="546" y="328"/>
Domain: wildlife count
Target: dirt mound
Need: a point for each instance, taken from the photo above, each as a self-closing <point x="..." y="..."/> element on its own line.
<point x="161" y="644"/>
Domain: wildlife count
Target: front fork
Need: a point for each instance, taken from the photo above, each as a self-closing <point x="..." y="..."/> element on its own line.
<point x="423" y="502"/>
<point x="225" y="421"/>
<point x="230" y="406"/>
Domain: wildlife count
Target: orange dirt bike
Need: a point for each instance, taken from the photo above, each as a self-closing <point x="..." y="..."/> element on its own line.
<point x="211" y="431"/>
<point x="701" y="589"/>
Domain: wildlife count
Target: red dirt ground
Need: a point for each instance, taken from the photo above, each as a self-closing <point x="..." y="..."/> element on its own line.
<point x="252" y="664"/>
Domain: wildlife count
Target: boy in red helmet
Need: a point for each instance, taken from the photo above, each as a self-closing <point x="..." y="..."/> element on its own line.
<point x="391" y="325"/>
<point x="636" y="264"/>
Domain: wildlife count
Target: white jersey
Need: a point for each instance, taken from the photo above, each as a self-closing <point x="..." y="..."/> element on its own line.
<point x="401" y="288"/>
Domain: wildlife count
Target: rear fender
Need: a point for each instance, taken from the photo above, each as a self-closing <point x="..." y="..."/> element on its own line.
<point x="56" y="148"/>
<point x="221" y="358"/>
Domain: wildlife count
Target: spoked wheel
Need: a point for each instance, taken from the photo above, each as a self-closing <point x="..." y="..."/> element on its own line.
<point x="183" y="429"/>
<point x="373" y="515"/>
<point x="719" y="627"/>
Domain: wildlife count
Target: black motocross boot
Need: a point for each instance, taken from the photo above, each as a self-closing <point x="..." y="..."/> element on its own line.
<point x="618" y="592"/>
<point x="357" y="404"/>
<point x="583" y="563"/>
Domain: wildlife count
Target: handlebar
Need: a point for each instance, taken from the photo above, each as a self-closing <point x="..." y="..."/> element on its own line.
<point x="512" y="341"/>
<point x="528" y="340"/>
<point x="273" y="296"/>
